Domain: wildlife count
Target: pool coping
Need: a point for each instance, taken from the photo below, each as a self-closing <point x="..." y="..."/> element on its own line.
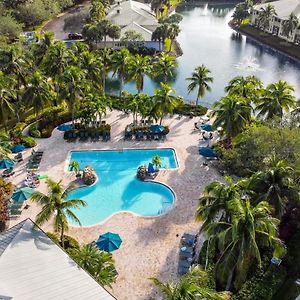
<point x="147" y="180"/>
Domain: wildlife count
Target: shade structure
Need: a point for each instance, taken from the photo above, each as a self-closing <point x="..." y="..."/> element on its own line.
<point x="6" y="163"/>
<point x="207" y="152"/>
<point x="157" y="128"/>
<point x="207" y="127"/>
<point x="109" y="242"/>
<point x="65" y="127"/>
<point x="21" y="195"/>
<point x="17" y="148"/>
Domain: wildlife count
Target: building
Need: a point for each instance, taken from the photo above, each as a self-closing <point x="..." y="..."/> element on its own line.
<point x="132" y="16"/>
<point x="33" y="267"/>
<point x="283" y="9"/>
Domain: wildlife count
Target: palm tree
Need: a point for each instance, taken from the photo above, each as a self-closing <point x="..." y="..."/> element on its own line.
<point x="7" y="95"/>
<point x="105" y="58"/>
<point x="136" y="104"/>
<point x="200" y="79"/>
<point x="213" y="202"/>
<point x="164" y="66"/>
<point x="193" y="285"/>
<point x="90" y="62"/>
<point x="173" y="32"/>
<point x="241" y="12"/>
<point x="56" y="204"/>
<point x="160" y="34"/>
<point x="14" y="62"/>
<point x="38" y="92"/>
<point x="290" y="25"/>
<point x="157" y="161"/>
<point x="57" y="59"/>
<point x="233" y="114"/>
<point x="119" y="64"/>
<point x="40" y="49"/>
<point x="99" y="264"/>
<point x="247" y="87"/>
<point x="5" y="145"/>
<point x="164" y="102"/>
<point x="73" y="87"/>
<point x="241" y="239"/>
<point x="265" y="15"/>
<point x="275" y="186"/>
<point x="138" y="67"/>
<point x="74" y="166"/>
<point x="277" y="98"/>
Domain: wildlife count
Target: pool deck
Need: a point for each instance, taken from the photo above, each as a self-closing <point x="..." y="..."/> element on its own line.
<point x="150" y="245"/>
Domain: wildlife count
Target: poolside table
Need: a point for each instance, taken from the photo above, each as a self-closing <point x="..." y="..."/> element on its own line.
<point x="184" y="263"/>
<point x="183" y="254"/>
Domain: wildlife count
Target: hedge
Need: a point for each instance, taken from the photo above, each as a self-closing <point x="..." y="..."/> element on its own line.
<point x="191" y="110"/>
<point x="69" y="242"/>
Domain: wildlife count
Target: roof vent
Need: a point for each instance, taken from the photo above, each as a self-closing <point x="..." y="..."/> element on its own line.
<point x="119" y="10"/>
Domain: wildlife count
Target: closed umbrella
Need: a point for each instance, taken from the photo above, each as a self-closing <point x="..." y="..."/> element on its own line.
<point x="65" y="127"/>
<point x="157" y="128"/>
<point x="109" y="242"/>
<point x="22" y="194"/>
<point x="207" y="152"/>
<point x="17" y="148"/>
<point x="207" y="127"/>
<point x="6" y="163"/>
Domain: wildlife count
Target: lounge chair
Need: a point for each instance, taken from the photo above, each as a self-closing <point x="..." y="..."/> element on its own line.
<point x="97" y="136"/>
<point x="82" y="136"/>
<point x="182" y="270"/>
<point x="18" y="156"/>
<point x="189" y="239"/>
<point x="139" y="136"/>
<point x="92" y="135"/>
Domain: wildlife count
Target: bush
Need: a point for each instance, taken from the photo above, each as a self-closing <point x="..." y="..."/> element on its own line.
<point x="47" y="132"/>
<point x="18" y="129"/>
<point x="188" y="110"/>
<point x="9" y="27"/>
<point x="33" y="131"/>
<point x="69" y="242"/>
<point x="28" y="141"/>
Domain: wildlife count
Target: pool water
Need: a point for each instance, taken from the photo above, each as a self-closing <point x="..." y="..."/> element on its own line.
<point x="117" y="188"/>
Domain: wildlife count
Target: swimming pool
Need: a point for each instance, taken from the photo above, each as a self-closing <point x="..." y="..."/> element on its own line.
<point x="117" y="188"/>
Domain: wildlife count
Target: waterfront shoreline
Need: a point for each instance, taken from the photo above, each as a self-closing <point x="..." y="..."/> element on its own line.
<point x="267" y="40"/>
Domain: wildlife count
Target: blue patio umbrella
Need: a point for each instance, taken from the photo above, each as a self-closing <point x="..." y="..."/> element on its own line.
<point x="6" y="163"/>
<point x="157" y="128"/>
<point x="65" y="127"/>
<point x="17" y="148"/>
<point x="109" y="242"/>
<point x="21" y="195"/>
<point x="207" y="152"/>
<point x="207" y="127"/>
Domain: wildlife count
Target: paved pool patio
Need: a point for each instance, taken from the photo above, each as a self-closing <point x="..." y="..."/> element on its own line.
<point x="150" y="245"/>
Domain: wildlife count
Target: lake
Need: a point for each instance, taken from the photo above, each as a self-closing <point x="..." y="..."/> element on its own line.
<point x="206" y="38"/>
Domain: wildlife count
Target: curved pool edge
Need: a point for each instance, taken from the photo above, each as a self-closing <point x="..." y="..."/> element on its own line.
<point x="119" y="149"/>
<point x="133" y="213"/>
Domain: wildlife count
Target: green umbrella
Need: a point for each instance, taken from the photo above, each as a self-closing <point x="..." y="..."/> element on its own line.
<point x="21" y="195"/>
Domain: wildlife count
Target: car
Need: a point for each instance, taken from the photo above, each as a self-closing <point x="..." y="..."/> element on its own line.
<point x="74" y="36"/>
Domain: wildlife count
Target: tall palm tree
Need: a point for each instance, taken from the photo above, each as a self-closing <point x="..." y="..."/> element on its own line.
<point x="119" y="65"/>
<point x="241" y="239"/>
<point x="173" y="32"/>
<point x="265" y="15"/>
<point x="193" y="285"/>
<point x="233" y="114"/>
<point x="105" y="58"/>
<point x="160" y="34"/>
<point x="290" y="25"/>
<point x="136" y="103"/>
<point x="99" y="264"/>
<point x="91" y="63"/>
<point x="38" y="93"/>
<point x="138" y="67"/>
<point x="277" y="98"/>
<point x="7" y="95"/>
<point x="73" y="86"/>
<point x="247" y="87"/>
<point x="275" y="186"/>
<point x="14" y="61"/>
<point x="200" y="79"/>
<point x="213" y="202"/>
<point x="56" y="204"/>
<point x="164" y="102"/>
<point x="164" y="66"/>
<point x="55" y="62"/>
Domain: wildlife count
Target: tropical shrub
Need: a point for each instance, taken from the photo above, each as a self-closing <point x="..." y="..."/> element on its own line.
<point x="252" y="148"/>
<point x="5" y="192"/>
<point x="28" y="141"/>
<point x="70" y="244"/>
<point x="188" y="109"/>
<point x="33" y="131"/>
<point x="10" y="27"/>
<point x="18" y="129"/>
